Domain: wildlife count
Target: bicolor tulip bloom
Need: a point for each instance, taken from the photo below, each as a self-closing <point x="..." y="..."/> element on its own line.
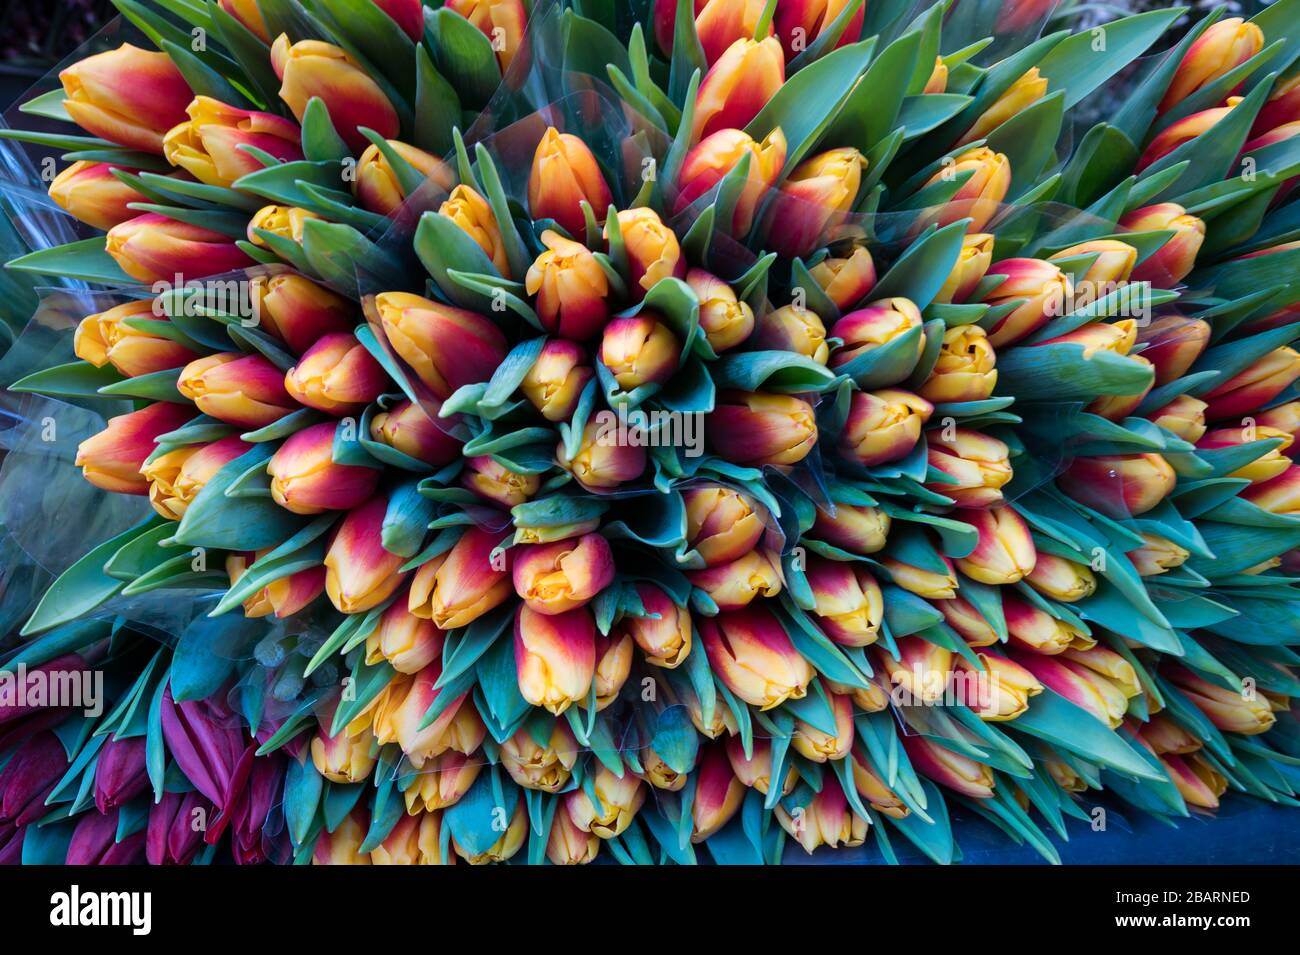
<point x="883" y="426"/>
<point x="1003" y="687"/>
<point x="1106" y="662"/>
<point x="243" y="390"/>
<point x="474" y="216"/>
<point x="553" y="578"/>
<point x="415" y="840"/>
<point x="1028" y="89"/>
<point x="718" y="793"/>
<point x="977" y="464"/>
<point x="284" y="596"/>
<point x="738" y="85"/>
<point x="140" y="347"/>
<point x="377" y="185"/>
<point x="569" y="845"/>
<point x="602" y="462"/>
<point x="639" y="350"/>
<point x="867" y="781"/>
<point x="753" y="656"/>
<point x="1113" y="263"/>
<point x="1279" y="495"/>
<point x="207" y="145"/>
<point x="846" y="280"/>
<point x="614" y="655"/>
<point x="924" y="581"/>
<point x="1005" y="551"/>
<point x="849" y="605"/>
<point x="855" y="528"/>
<point x="736" y="584"/>
<point x="826" y="820"/>
<point x="949" y="769"/>
<point x="653" y="252"/>
<point x="1255" y="386"/>
<point x="716" y="155"/>
<point x="313" y="68"/>
<point x="128" y="96"/>
<point x="501" y="21"/>
<point x="442" y="781"/>
<point x="1173" y="343"/>
<point x="1165" y="736"/>
<point x="1046" y="290"/>
<point x="793" y="329"/>
<point x="555" y="381"/>
<point x="920" y="673"/>
<point x="1032" y="628"/>
<point x="409" y="643"/>
<point x="1184" y="417"/>
<point x="407" y="14"/>
<point x="724" y="319"/>
<point x="618" y="800"/>
<point x="176" y="477"/>
<point x="555" y="656"/>
<point x="722" y="524"/>
<point x="1081" y="686"/>
<point x="755" y="768"/>
<point x="1061" y="579"/>
<point x="297" y="311"/>
<point x="282" y="222"/>
<point x="659" y="774"/>
<point x="1119" y="485"/>
<point x="664" y="639"/>
<point x="90" y="193"/>
<point x="814" y="201"/>
<point x="495" y="482"/>
<point x="1220" y="49"/>
<point x="1157" y="555"/>
<point x="1281" y="107"/>
<point x="457" y="589"/>
<point x="979" y="195"/>
<point x="400" y="710"/>
<point x="820" y="746"/>
<point x="249" y="14"/>
<point x="1116" y="337"/>
<point x="874" y="326"/>
<point x="1169" y="264"/>
<point x="544" y="766"/>
<point x="961" y="615"/>
<point x="360" y="573"/>
<point x="1268" y="465"/>
<point x="112" y="459"/>
<point x="964" y="370"/>
<point x="564" y="175"/>
<point x="344" y="758"/>
<point x="406" y="427"/>
<point x="446" y="347"/>
<point x="1198" y="782"/>
<point x="342" y="846"/>
<point x="306" y="479"/>
<point x="800" y="22"/>
<point x="754" y="428"/>
<point x="153" y="248"/>
<point x="972" y="263"/>
<point x="572" y="289"/>
<point x="1182" y="132"/>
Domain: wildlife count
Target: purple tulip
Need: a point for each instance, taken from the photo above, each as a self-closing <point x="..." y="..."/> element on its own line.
<point x="94" y="842"/>
<point x="29" y="777"/>
<point x="176" y="827"/>
<point x="120" y="774"/>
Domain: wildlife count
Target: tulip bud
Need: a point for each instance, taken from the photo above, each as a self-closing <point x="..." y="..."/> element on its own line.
<point x="313" y="68"/>
<point x="406" y="641"/>
<point x="653" y="252"/>
<point x="243" y="390"/>
<point x="297" y="311"/>
<point x="497" y="483"/>
<point x="554" y="578"/>
<point x="343" y="758"/>
<point x="665" y="640"/>
<point x="1083" y="687"/>
<point x="152" y="248"/>
<point x="555" y="381"/>
<point x="739" y="84"/>
<point x="751" y="653"/>
<point x="176" y="476"/>
<point x="799" y="23"/>
<point x="979" y="196"/>
<point x="613" y="666"/>
<point x="378" y="187"/>
<point x="947" y="768"/>
<point x="283" y="222"/>
<point x="360" y="573"/>
<point x="973" y="261"/>
<point x="544" y="766"/>
<point x="1064" y="580"/>
<point x="964" y="369"/>
<point x="128" y="96"/>
<point x="867" y="781"/>
<point x="755" y="770"/>
<point x="846" y="281"/>
<point x="849" y="605"/>
<point x="814" y="201"/>
<point x="472" y="214"/>
<point x="28" y="778"/>
<point x="1004" y="687"/>
<point x="569" y="845"/>
<point x="924" y="582"/>
<point x="1220" y="49"/>
<point x="112" y="459"/>
<point x="1005" y="551"/>
<point x="1184" y="417"/>
<point x="284" y="596"/>
<point x="571" y="288"/>
<point x="969" y="623"/>
<point x="1268" y="465"/>
<point x="757" y="428"/>
<point x="735" y="584"/>
<point x="1169" y="264"/>
<point x="1119" y="485"/>
<point x="446" y="347"/>
<point x="249" y="14"/>
<point x="639" y="350"/>
<point x="603" y="462"/>
<point x="1116" y="337"/>
<point x="978" y="464"/>
<point x="718" y="793"/>
<point x="1164" y="736"/>
<point x="721" y="524"/>
<point x="94" y="842"/>
<point x="343" y="845"/>
<point x="617" y="802"/>
<point x="659" y="774"/>
<point x="1028" y="89"/>
<point x="555" y="656"/>
<point x="792" y="329"/>
<point x="563" y="176"/>
<point x="818" y="745"/>
<point x="400" y="710"/>
<point x="467" y="583"/>
<point x="710" y="160"/>
<point x="826" y="820"/>
<point x="1281" y="107"/>
<point x="855" y="528"/>
<point x="415" y="840"/>
<point x="407" y="428"/>
<point x="207" y="145"/>
<point x="1183" y="131"/>
<point x="174" y="835"/>
<point x="140" y="348"/>
<point x="442" y="782"/>
<point x="90" y="193"/>
<point x="501" y="21"/>
<point x="875" y="326"/>
<point x="1256" y="385"/>
<point x="1113" y="264"/>
<point x="1279" y="495"/>
<point x="725" y="320"/>
<point x="1173" y="343"/>
<point x="1157" y="555"/>
<point x="306" y="479"/>
<point x="664" y="17"/>
<point x="1199" y="783"/>
<point x="1046" y="289"/>
<point x="1107" y="663"/>
<point x="1032" y="628"/>
<point x="883" y="426"/>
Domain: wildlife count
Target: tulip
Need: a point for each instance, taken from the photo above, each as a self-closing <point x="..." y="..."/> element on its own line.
<point x="343" y="758"/>
<point x="571" y="288"/>
<point x="415" y="840"/>
<point x="94" y="842"/>
<point x="666" y="639"/>
<point x="969" y="623"/>
<point x="112" y="458"/>
<point x="1183" y="131"/>
<point x="400" y="710"/>
<point x="152" y="248"/>
<point x="1115" y="337"/>
<point x="1169" y="264"/>
<point x="1083" y="687"/>
<point x="659" y="774"/>
<point x="446" y="347"/>
<point x="561" y="576"/>
<point x="176" y="477"/>
<point x="883" y="426"/>
<point x="28" y="778"/>
<point x="406" y="641"/>
<point x="792" y="329"/>
<point x="1035" y="629"/>
<point x="313" y="68"/>
<point x="1113" y="264"/>
<point x="1184" y="417"/>
<point x="1106" y="662"/>
<point x="458" y="589"/>
<point x="938" y="81"/>
<point x="378" y="187"/>
<point x="1279" y="495"/>
<point x="1157" y="555"/>
<point x="1005" y="551"/>
<point x="472" y="214"/>
<point x="1164" y="736"/>
<point x="407" y="14"/>
<point x="407" y="428"/>
<point x="1119" y="485"/>
<point x="297" y="311"/>
<point x="720" y="23"/>
<point x="613" y="666"/>
<point x="873" y="327"/>
<point x="207" y="145"/>
<point x="174" y="834"/>
<point x="249" y="14"/>
<point x="497" y="483"/>
<point x="1199" y="783"/>
<point x="738" y="84"/>
<point x="1281" y="107"/>
<point x="1028" y="89"/>
<point x="753" y="656"/>
<point x="1046" y="290"/>
<point x="1256" y="385"/>
<point x="799" y="23"/>
<point x="563" y="176"/>
<point x="972" y="263"/>
<point x="1173" y="343"/>
<point x="569" y="845"/>
<point x="243" y="390"/>
<point x="306" y="479"/>
<point x="716" y="155"/>
<point x="872" y="788"/>
<point x="721" y="524"/>
<point x="725" y="320"/>
<point x="1220" y="49"/>
<point x="919" y="675"/>
<point x="1017" y="16"/>
<point x="360" y="573"/>
<point x="555" y="655"/>
<point x="1065" y="776"/>
<point x="555" y="381"/>
<point x="128" y="96"/>
<point x="343" y="845"/>
<point x="953" y="770"/>
<point x="734" y="585"/>
<point x="1267" y="465"/>
<point x="755" y="770"/>
<point x="849" y="605"/>
<point x="756" y="428"/>
<point x="979" y="196"/>
<point x="825" y="820"/>
<point x="718" y="793"/>
<point x="653" y="252"/>
<point x="283" y="222"/>
<point x="857" y="529"/>
<point x="814" y="201"/>
<point x="964" y="369"/>
<point x="602" y="462"/>
<point x="976" y="462"/>
<point x="664" y="21"/>
<point x="1005" y="687"/>
<point x="846" y="281"/>
<point x="140" y="348"/>
<point x="818" y="745"/>
<point x="90" y="193"/>
<point x="501" y="21"/>
<point x="639" y="350"/>
<point x="617" y="802"/>
<point x="284" y="596"/>
<point x="1061" y="579"/>
<point x="723" y="720"/>
<point x="544" y="766"/>
<point x="442" y="782"/>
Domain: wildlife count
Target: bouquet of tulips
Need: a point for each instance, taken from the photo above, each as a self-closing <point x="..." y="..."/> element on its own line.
<point x="654" y="431"/>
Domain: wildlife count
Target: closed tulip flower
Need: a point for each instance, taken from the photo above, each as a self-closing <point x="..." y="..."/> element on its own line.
<point x="849" y="606"/>
<point x="739" y="84"/>
<point x="1220" y="49"/>
<point x="446" y="347"/>
<point x="571" y="287"/>
<point x="378" y="187"/>
<point x="601" y="462"/>
<point x="857" y="529"/>
<point x="555" y="655"/>
<point x="920" y="673"/>
<point x="360" y="573"/>
<point x="1004" y="687"/>
<point x="820" y="746"/>
<point x="1173" y="343"/>
<point x="415" y="840"/>
<point x="569" y="845"/>
<point x="28" y="778"/>
<point x="735" y="584"/>
<point x="1005" y="551"/>
<point x="94" y="842"/>
<point x="867" y="781"/>
<point x="716" y="155"/>
<point x="846" y="280"/>
<point x="826" y="820"/>
<point x="409" y="643"/>
<point x="457" y="589"/>
<point x="1119" y="407"/>
<point x="495" y="482"/>
<point x="653" y="252"/>
<point x="171" y="837"/>
<point x="972" y="263"/>
<point x="753" y="656"/>
<point x="951" y="770"/>
<point x="1169" y="264"/>
<point x="801" y="22"/>
<point x="1044" y="287"/>
<point x="979" y="196"/>
<point x="112" y="459"/>
<point x="176" y="477"/>
<point x="207" y="144"/>
<point x="283" y="222"/>
<point x="1113" y="264"/>
<point x="555" y="381"/>
<point x="1279" y="495"/>
<point x="140" y="348"/>
<point x="343" y="758"/>
<point x="1183" y="131"/>
<point x="721" y="523"/>
<point x="1119" y="485"/>
<point x="249" y="14"/>
<point x="1061" y="579"/>
<point x="718" y="793"/>
<point x="725" y="320"/>
<point x="563" y="176"/>
<point x="883" y="426"/>
<point x="756" y="428"/>
<point x="874" y="326"/>
<point x="471" y="212"/>
<point x="614" y="655"/>
<point x="923" y="581"/>
<point x="407" y="428"/>
<point x="1281" y="107"/>
<point x="337" y="375"/>
<point x="666" y="639"/>
<point x="313" y="68"/>
<point x="1081" y="686"/>
<point x="1157" y="555"/>
<point x="501" y="21"/>
<point x="755" y="769"/>
<point x="400" y="710"/>
<point x="442" y="781"/>
<point x="938" y="81"/>
<point x="153" y="248"/>
<point x="977" y="462"/>
<point x="639" y="350"/>
<point x="128" y="96"/>
<point x="541" y="765"/>
<point x="617" y="802"/>
<point x="1032" y="628"/>
<point x="1284" y="418"/>
<point x="964" y="369"/>
<point x="1268" y="465"/>
<point x="1164" y="736"/>
<point x="343" y="845"/>
<point x="284" y="596"/>
<point x="1028" y="89"/>
<point x="553" y="578"/>
<point x="297" y="311"/>
<point x="793" y="329"/>
<point x="659" y="774"/>
<point x="663" y="15"/>
<point x="1198" y="782"/>
<point x="1256" y="385"/>
<point x="1106" y="662"/>
<point x="961" y="615"/>
<point x="1184" y="417"/>
<point x="306" y="479"/>
<point x="90" y="193"/>
<point x="814" y="201"/>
